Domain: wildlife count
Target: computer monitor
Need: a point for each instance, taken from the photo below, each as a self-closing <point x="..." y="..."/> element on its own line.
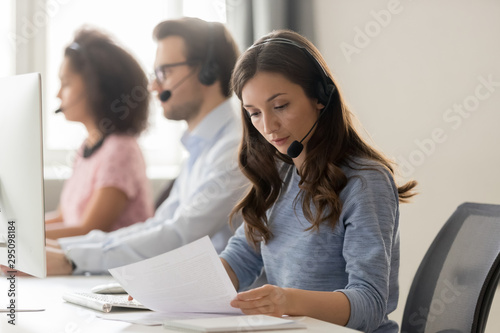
<point x="22" y="221"/>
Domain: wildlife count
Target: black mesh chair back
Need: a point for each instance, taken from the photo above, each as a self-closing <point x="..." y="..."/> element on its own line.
<point x="454" y="286"/>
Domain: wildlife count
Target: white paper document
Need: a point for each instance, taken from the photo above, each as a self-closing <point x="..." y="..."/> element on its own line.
<point x="234" y="324"/>
<point x="188" y="279"/>
<point x="151" y="318"/>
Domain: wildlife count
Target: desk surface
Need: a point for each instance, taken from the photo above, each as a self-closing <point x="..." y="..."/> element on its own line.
<point x="60" y="316"/>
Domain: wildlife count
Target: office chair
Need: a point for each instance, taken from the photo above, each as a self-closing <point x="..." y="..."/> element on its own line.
<point x="164" y="193"/>
<point x="454" y="286"/>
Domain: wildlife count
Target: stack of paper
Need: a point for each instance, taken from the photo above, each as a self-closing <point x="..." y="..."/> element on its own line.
<point x="233" y="324"/>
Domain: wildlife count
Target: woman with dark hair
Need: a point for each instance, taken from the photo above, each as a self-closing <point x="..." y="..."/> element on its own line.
<point x="321" y="215"/>
<point x="104" y="88"/>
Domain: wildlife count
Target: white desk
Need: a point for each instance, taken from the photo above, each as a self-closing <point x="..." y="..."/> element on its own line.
<point x="63" y="317"/>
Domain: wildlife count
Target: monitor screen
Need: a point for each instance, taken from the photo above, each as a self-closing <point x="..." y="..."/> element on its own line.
<point x="22" y="224"/>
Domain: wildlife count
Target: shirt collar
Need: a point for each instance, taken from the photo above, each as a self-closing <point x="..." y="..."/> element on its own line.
<point x="208" y="128"/>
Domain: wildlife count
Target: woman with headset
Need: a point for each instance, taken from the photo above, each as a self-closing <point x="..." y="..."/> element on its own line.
<point x="322" y="213"/>
<point x="104" y="88"/>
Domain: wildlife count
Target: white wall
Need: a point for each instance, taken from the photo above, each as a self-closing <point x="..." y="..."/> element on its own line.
<point x="403" y="81"/>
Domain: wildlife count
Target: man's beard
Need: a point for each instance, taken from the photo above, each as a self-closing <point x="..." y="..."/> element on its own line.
<point x="186" y="111"/>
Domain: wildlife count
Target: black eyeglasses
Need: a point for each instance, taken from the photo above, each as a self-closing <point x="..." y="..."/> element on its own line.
<point x="160" y="74"/>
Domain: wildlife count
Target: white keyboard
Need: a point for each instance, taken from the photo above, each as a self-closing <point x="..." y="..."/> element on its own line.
<point x="100" y="302"/>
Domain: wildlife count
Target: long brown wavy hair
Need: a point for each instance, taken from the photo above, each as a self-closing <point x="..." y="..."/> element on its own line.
<point x="335" y="142"/>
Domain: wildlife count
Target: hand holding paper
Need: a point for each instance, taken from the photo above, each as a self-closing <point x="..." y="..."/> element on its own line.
<point x="187" y="279"/>
<point x="268" y="300"/>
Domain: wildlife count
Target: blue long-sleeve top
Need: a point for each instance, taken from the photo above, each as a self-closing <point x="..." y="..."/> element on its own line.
<point x="358" y="257"/>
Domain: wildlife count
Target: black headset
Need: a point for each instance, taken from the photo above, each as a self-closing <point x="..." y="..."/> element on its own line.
<point x="325" y="87"/>
<point x="210" y="70"/>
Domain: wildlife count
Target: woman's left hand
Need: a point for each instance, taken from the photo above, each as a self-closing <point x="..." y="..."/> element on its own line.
<point x="268" y="299"/>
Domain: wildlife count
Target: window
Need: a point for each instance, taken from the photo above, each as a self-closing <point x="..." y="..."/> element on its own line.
<point x="131" y="23"/>
<point x="7" y="41"/>
<point x="211" y="10"/>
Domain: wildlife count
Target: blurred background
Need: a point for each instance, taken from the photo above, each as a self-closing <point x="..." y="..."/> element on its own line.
<point x="423" y="77"/>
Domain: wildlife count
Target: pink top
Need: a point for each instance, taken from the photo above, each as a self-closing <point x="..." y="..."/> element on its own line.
<point x="117" y="163"/>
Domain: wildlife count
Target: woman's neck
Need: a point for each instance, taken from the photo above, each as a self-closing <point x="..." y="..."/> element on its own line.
<point x="299" y="160"/>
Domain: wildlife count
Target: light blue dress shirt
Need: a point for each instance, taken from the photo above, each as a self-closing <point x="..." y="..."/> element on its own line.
<point x="207" y="188"/>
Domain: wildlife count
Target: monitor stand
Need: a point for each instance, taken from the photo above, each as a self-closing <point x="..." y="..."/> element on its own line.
<point x="4" y="235"/>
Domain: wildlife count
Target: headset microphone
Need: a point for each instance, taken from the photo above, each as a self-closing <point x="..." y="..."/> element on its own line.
<point x="70" y="105"/>
<point x="166" y="94"/>
<point x="296" y="147"/>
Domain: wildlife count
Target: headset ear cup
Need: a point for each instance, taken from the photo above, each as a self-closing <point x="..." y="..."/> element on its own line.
<point x="324" y="92"/>
<point x="208" y="73"/>
<point x="330" y="89"/>
<point x="210" y="70"/>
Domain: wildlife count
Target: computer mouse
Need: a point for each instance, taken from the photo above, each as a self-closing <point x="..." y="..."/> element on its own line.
<point x="109" y="288"/>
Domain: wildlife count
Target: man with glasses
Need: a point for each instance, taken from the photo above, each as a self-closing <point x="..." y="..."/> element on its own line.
<point x="193" y="66"/>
